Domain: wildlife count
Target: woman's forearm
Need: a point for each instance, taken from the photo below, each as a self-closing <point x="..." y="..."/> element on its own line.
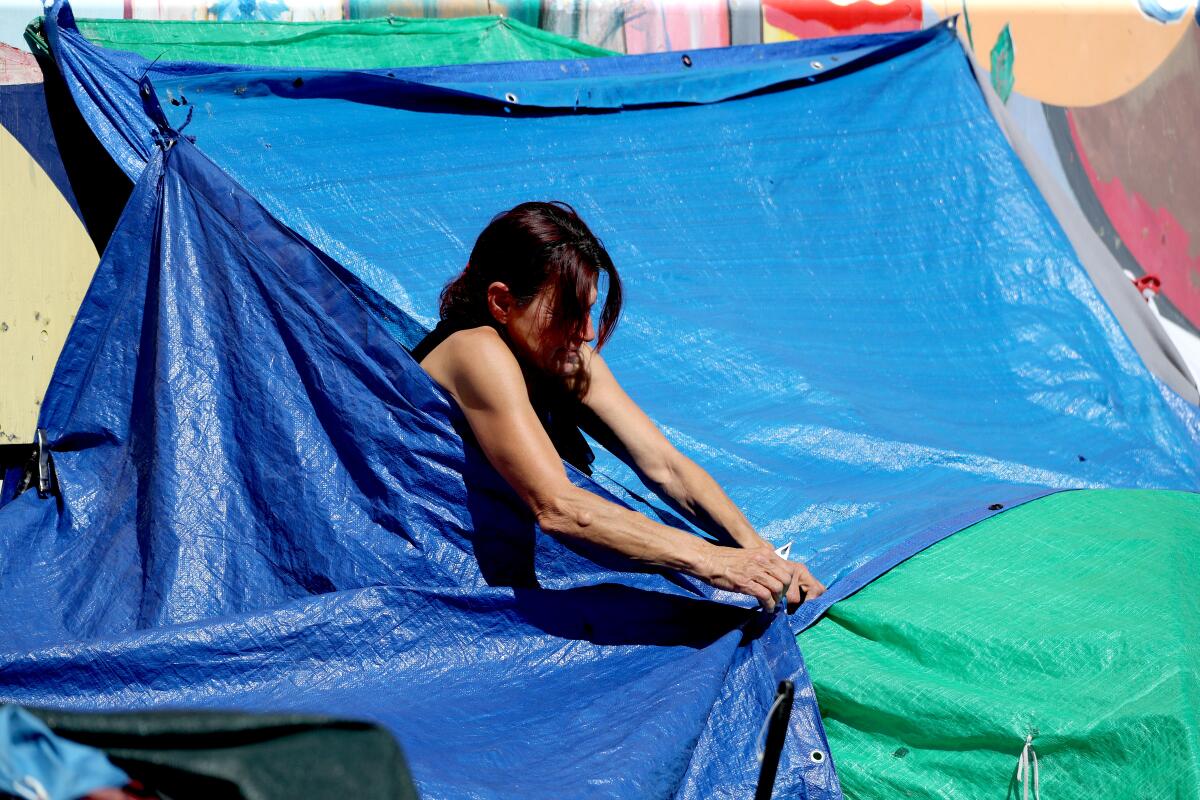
<point x="753" y="571"/>
<point x="583" y="515"/>
<point x="694" y="493"/>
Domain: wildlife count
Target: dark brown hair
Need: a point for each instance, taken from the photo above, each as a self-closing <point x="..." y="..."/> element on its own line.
<point x="533" y="246"/>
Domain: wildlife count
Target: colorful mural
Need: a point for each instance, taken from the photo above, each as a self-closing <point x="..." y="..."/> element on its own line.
<point x="1113" y="99"/>
<point x="811" y="19"/>
<point x="1071" y="52"/>
<point x="1132" y="165"/>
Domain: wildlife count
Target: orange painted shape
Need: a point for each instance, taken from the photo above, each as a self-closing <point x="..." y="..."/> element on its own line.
<point x="1073" y="52"/>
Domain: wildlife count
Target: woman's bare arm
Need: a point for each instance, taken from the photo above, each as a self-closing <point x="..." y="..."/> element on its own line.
<point x="479" y="370"/>
<point x="683" y="482"/>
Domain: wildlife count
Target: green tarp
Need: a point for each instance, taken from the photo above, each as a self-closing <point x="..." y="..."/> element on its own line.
<point x="358" y="44"/>
<point x="1074" y="617"/>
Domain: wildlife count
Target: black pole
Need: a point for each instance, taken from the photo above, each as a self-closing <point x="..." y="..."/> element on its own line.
<point x="777" y="725"/>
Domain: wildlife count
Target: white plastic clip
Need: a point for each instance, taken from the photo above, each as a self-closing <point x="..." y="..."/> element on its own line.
<point x="782" y="552"/>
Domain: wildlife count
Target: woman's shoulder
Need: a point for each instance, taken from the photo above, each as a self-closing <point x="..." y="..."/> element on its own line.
<point x="474" y="362"/>
<point x="475" y="341"/>
<point x="449" y="337"/>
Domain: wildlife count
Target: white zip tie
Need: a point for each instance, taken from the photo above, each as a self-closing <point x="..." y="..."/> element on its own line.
<point x="1027" y="764"/>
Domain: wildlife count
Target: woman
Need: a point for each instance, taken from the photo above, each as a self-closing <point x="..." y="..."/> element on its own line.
<point x="512" y="349"/>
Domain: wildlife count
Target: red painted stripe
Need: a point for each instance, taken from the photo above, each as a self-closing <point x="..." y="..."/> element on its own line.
<point x="810" y="19"/>
<point x="1153" y="236"/>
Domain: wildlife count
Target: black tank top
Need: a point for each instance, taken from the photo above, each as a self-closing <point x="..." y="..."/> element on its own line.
<point x="560" y="413"/>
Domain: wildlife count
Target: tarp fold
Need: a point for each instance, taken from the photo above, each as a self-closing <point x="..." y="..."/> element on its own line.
<point x="267" y="505"/>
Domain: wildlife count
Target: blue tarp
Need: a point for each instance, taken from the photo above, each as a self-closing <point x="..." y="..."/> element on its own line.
<point x="844" y="298"/>
<point x="267" y="505"/>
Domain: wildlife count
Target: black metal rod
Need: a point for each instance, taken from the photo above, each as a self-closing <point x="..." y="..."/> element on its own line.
<point x="777" y="726"/>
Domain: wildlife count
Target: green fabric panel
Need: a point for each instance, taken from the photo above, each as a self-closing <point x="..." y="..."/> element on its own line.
<point x="358" y="44"/>
<point x="1074" y="616"/>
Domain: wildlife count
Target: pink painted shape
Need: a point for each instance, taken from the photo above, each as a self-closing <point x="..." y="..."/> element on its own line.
<point x="653" y="26"/>
<point x="815" y="19"/>
<point x="17" y="66"/>
<point x="1164" y="247"/>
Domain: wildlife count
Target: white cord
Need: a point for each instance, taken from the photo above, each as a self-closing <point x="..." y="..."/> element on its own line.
<point x="1027" y="766"/>
<point x="31" y="788"/>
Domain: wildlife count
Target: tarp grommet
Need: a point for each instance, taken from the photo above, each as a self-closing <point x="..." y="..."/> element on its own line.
<point x="686" y="59"/>
<point x="995" y="506"/>
<point x="816" y="756"/>
<point x="509" y="97"/>
<point x="816" y="65"/>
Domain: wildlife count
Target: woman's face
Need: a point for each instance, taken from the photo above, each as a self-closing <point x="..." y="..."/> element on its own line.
<point x="532" y="332"/>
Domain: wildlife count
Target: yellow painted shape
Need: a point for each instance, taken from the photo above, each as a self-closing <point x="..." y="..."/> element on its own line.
<point x="1073" y="52"/>
<point x="774" y="35"/>
<point x="47" y="261"/>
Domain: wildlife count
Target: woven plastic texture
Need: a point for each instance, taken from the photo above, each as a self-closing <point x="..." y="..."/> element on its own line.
<point x="1072" y="617"/>
<point x="266" y="505"/>
<point x="846" y="299"/>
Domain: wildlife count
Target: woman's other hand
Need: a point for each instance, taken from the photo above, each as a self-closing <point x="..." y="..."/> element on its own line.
<point x="760" y="573"/>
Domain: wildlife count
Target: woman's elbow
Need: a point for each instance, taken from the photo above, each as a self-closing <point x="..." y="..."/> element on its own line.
<point x="661" y="472"/>
<point x="561" y="512"/>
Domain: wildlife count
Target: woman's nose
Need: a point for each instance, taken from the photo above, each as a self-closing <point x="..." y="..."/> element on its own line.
<point x="589" y="330"/>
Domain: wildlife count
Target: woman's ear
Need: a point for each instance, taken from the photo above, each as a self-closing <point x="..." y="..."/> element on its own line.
<point x="500" y="301"/>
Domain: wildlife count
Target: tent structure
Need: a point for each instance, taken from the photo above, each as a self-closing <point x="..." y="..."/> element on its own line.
<point x="885" y="331"/>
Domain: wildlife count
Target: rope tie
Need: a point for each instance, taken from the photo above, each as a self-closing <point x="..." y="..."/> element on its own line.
<point x="1027" y="768"/>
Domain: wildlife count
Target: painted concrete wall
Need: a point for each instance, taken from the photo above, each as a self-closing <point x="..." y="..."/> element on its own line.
<point x="46" y="262"/>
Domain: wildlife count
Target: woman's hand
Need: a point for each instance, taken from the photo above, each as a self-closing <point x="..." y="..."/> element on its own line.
<point x="804" y="586"/>
<point x="759" y="573"/>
